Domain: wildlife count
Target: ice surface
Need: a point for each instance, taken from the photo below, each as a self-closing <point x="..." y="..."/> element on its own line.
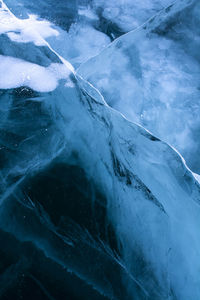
<point x="28" y="30"/>
<point x="129" y="14"/>
<point x="94" y="206"/>
<point x="151" y="75"/>
<point x="81" y="29"/>
<point x="79" y="42"/>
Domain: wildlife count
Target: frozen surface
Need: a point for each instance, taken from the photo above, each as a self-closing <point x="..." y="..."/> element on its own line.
<point x="92" y="205"/>
<point x="152" y="75"/>
<point x="128" y="14"/>
<point x="81" y="29"/>
<point x="28" y="30"/>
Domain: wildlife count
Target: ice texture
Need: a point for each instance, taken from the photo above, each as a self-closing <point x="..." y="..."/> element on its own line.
<point x="128" y="14"/>
<point x="70" y="28"/>
<point x="151" y="75"/>
<point x="81" y="29"/>
<point x="93" y="205"/>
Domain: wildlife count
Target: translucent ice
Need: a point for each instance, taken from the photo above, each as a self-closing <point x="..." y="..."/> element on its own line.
<point x="92" y="205"/>
<point x="151" y="75"/>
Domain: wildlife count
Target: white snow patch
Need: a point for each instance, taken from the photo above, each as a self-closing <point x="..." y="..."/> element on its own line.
<point x="24" y="31"/>
<point x="17" y="72"/>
